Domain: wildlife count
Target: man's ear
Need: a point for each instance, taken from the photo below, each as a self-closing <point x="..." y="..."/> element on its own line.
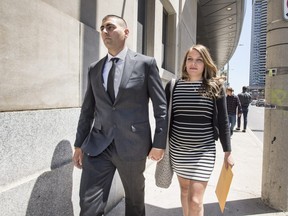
<point x="126" y="31"/>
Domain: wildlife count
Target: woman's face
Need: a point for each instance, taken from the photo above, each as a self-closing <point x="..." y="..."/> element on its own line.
<point x="194" y="65"/>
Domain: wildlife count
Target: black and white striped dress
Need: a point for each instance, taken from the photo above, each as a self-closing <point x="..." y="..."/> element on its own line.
<point x="192" y="145"/>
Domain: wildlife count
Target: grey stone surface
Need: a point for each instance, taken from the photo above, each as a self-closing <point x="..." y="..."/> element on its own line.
<point x="187" y="28"/>
<point x="37" y="171"/>
<point x="39" y="58"/>
<point x="89" y="53"/>
<point x="37" y="174"/>
<point x="28" y="141"/>
<point x="48" y="194"/>
<point x="70" y="8"/>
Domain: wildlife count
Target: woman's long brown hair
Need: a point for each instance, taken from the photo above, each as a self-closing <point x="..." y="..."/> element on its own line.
<point x="211" y="83"/>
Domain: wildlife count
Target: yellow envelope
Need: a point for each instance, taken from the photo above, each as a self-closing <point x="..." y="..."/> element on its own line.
<point x="223" y="186"/>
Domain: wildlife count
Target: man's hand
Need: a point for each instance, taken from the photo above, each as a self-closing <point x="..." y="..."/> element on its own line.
<point x="156" y="154"/>
<point x="77" y="158"/>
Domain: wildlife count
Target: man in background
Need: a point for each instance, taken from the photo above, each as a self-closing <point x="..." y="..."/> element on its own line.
<point x="233" y="108"/>
<point x="245" y="99"/>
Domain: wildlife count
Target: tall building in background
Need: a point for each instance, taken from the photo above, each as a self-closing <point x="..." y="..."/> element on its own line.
<point x="258" y="48"/>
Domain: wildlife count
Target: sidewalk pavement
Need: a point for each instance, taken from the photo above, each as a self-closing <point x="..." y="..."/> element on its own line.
<point x="244" y="197"/>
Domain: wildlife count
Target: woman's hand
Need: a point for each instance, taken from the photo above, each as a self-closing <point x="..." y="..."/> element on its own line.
<point x="228" y="160"/>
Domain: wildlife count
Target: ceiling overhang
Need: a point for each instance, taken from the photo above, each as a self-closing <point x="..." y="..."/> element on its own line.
<point x="219" y="24"/>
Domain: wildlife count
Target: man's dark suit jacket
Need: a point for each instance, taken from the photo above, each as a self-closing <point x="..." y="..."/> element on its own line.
<point x="126" y="121"/>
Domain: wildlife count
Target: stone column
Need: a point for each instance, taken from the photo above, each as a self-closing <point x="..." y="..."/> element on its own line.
<point x="275" y="154"/>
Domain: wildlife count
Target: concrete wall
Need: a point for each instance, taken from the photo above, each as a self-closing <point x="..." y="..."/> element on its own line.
<point x="36" y="172"/>
<point x="275" y="160"/>
<point x="183" y="22"/>
<point x="38" y="57"/>
<point x="46" y="48"/>
<point x="187" y="25"/>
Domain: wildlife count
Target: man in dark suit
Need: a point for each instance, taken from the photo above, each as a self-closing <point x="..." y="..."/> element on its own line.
<point x="113" y="129"/>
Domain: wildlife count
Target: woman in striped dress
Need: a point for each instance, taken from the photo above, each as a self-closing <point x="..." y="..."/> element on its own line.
<point x="199" y="117"/>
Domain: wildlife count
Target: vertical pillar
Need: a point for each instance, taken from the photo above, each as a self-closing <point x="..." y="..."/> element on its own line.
<point x="275" y="150"/>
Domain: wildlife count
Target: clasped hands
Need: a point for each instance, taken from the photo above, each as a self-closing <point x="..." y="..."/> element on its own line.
<point x="156" y="154"/>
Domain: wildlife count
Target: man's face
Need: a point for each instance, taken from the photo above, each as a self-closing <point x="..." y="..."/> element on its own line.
<point x="113" y="33"/>
<point x="229" y="92"/>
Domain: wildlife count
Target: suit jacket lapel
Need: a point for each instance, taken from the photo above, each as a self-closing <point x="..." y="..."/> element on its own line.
<point x="127" y="71"/>
<point x="98" y="81"/>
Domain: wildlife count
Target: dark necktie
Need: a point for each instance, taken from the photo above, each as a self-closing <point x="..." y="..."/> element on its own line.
<point x="111" y="75"/>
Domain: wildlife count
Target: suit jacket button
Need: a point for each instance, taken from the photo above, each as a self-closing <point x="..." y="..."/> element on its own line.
<point x="113" y="108"/>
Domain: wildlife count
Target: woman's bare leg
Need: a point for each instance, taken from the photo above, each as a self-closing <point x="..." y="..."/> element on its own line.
<point x="192" y="194"/>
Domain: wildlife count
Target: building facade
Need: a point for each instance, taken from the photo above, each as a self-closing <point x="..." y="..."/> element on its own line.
<point x="46" y="49"/>
<point x="258" y="48"/>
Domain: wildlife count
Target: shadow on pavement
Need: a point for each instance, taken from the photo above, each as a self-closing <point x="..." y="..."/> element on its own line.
<point x="155" y="210"/>
<point x="253" y="206"/>
<point x="151" y="210"/>
<point x="233" y="208"/>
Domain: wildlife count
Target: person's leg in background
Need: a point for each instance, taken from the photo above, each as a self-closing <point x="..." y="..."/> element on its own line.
<point x="239" y="122"/>
<point x="245" y="115"/>
<point x="232" y="122"/>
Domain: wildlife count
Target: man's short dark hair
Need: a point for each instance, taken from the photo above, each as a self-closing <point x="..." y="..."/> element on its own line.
<point x="244" y="88"/>
<point x="115" y="16"/>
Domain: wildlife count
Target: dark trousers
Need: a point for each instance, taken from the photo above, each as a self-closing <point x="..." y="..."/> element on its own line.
<point x="245" y="114"/>
<point x="96" y="180"/>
